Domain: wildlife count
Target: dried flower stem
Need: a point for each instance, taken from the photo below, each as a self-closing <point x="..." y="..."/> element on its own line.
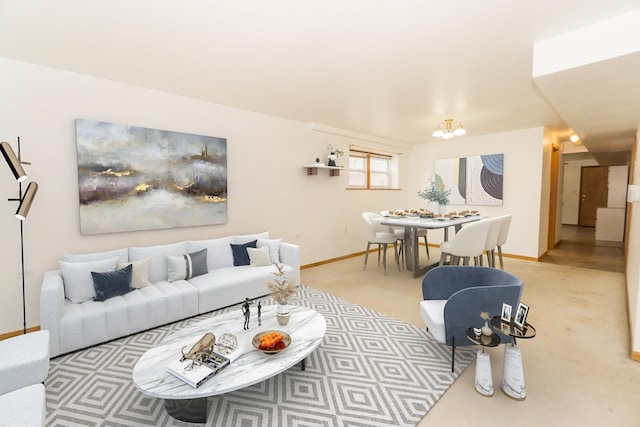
<point x="282" y="287"/>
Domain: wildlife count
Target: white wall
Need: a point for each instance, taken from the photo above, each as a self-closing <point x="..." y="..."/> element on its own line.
<point x="523" y="166"/>
<point x="267" y="187"/>
<point x="633" y="265"/>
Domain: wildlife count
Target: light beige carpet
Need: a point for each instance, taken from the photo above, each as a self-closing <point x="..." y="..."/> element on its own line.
<point x="578" y="369"/>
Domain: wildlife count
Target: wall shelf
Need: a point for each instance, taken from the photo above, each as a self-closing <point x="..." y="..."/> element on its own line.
<point x="333" y="170"/>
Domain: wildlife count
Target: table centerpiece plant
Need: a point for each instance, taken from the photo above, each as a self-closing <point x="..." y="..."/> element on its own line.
<point x="282" y="288"/>
<point x="435" y="192"/>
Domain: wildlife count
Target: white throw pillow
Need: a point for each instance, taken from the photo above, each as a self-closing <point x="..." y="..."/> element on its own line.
<point x="259" y="257"/>
<point x="274" y="248"/>
<point x="140" y="274"/>
<point x="78" y="282"/>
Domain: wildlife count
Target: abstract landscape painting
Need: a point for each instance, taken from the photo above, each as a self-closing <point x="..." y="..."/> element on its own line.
<point x="132" y="178"/>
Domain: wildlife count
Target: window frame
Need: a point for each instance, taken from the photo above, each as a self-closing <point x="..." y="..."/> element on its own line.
<point x="368" y="155"/>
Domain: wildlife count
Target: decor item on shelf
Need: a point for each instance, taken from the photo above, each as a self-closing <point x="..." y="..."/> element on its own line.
<point x="486" y="329"/>
<point x="25" y="200"/>
<point x="282" y="289"/>
<point x="448" y="132"/>
<point x="334" y="154"/>
<point x="437" y="196"/>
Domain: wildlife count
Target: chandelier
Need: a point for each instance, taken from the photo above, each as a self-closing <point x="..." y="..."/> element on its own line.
<point x="448" y="132"/>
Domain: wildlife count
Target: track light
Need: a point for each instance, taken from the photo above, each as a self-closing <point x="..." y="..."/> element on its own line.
<point x="13" y="161"/>
<point x="25" y="203"/>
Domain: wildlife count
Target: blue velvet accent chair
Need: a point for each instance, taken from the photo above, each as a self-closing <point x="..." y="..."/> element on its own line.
<point x="455" y="295"/>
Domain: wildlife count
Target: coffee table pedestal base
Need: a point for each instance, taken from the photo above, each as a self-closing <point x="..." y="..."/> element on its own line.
<point x="512" y="373"/>
<point x="189" y="410"/>
<point x="484" y="380"/>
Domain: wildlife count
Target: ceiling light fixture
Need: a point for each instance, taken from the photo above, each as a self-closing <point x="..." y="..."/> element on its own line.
<point x="574" y="138"/>
<point x="448" y="132"/>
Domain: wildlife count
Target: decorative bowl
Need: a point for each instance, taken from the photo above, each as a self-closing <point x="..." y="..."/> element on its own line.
<point x="286" y="340"/>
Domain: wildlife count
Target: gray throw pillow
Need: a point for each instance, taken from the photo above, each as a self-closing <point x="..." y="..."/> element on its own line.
<point x="113" y="283"/>
<point x="186" y="266"/>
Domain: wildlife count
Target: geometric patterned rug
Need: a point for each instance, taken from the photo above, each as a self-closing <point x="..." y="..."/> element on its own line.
<point x="370" y="370"/>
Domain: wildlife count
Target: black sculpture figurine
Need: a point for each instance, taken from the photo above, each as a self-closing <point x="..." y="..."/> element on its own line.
<point x="259" y="313"/>
<point x="246" y="312"/>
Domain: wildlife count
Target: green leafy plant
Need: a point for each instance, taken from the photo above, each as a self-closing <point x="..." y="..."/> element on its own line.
<point x="436" y="192"/>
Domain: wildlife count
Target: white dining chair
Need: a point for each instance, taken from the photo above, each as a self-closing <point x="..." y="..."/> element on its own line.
<point x="502" y="236"/>
<point x="399" y="231"/>
<point x="492" y="241"/>
<point x="380" y="235"/>
<point x="467" y="243"/>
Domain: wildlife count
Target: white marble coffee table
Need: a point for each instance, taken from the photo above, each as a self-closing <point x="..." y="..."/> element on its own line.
<point x="249" y="366"/>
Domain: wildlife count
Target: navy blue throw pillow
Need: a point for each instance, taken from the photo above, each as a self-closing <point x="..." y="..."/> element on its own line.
<point x="113" y="283"/>
<point x="240" y="254"/>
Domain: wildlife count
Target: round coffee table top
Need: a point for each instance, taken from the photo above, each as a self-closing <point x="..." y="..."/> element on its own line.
<point x="248" y="366"/>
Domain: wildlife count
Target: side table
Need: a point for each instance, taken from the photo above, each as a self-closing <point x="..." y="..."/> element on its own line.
<point x="484" y="379"/>
<point x="512" y="372"/>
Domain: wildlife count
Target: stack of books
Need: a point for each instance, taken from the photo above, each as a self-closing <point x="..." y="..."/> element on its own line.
<point x="194" y="373"/>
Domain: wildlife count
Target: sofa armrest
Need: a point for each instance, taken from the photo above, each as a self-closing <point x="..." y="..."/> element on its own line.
<point x="290" y="255"/>
<point x="52" y="307"/>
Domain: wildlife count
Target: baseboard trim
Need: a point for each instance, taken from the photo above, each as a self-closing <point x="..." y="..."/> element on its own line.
<point x="16" y="333"/>
<point x="433" y="245"/>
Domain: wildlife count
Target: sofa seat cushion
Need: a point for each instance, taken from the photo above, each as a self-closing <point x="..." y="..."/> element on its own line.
<point x="93" y="322"/>
<point x="24" y="360"/>
<point x="219" y="288"/>
<point x="25" y="407"/>
<point x="432" y="314"/>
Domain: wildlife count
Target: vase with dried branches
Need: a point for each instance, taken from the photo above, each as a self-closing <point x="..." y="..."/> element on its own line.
<point x="282" y="289"/>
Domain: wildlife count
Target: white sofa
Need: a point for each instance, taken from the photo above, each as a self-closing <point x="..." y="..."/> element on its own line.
<point x="24" y="366"/>
<point x="74" y="324"/>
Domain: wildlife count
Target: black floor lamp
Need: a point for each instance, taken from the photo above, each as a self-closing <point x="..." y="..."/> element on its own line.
<point x="15" y="164"/>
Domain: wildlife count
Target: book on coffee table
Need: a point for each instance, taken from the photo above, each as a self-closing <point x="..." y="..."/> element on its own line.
<point x="194" y="373"/>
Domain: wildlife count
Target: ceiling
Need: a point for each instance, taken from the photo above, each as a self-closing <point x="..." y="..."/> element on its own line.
<point x="390" y="69"/>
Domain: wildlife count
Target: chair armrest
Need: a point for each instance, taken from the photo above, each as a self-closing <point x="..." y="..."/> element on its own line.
<point x="290" y="255"/>
<point x="52" y="307"/>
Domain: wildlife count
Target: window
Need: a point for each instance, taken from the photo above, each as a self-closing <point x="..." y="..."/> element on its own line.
<point x="370" y="170"/>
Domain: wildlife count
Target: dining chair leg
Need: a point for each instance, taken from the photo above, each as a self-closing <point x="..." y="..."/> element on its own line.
<point x="395" y="249"/>
<point x="379" y="250"/>
<point x="366" y="255"/>
<point x="384" y="259"/>
<point x="443" y="258"/>
<point x="500" y="256"/>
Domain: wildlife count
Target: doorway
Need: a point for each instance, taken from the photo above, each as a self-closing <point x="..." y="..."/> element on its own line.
<point x="593" y="193"/>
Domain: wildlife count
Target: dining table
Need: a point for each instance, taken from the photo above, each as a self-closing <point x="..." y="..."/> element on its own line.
<point x="411" y="224"/>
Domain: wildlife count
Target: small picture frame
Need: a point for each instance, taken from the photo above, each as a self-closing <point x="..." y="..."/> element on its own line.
<point x="506" y="313"/>
<point x="520" y="318"/>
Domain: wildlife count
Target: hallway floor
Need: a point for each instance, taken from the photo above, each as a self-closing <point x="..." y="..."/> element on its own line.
<point x="579" y="248"/>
